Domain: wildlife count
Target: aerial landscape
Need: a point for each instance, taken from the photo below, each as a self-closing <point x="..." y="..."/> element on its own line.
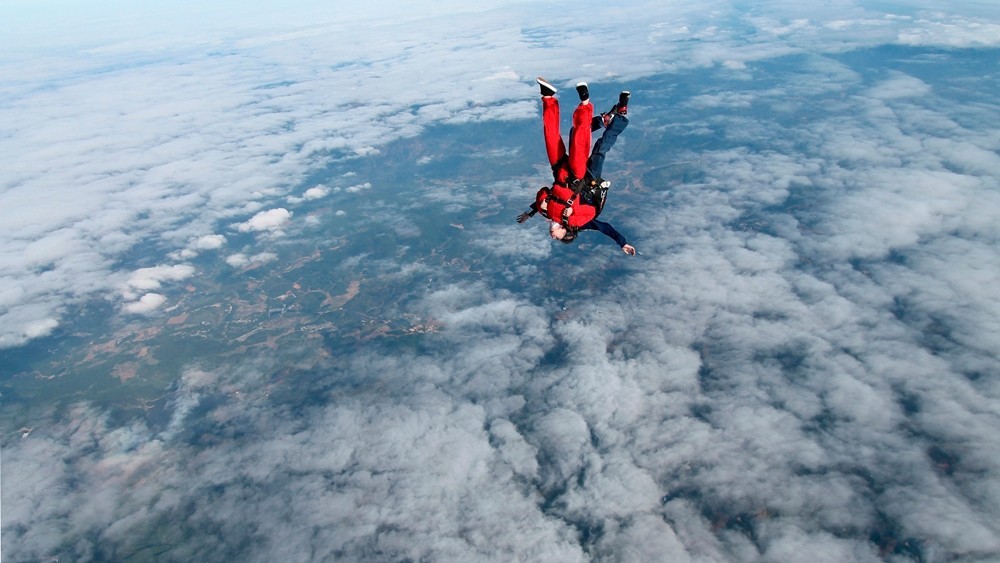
<point x="264" y="295"/>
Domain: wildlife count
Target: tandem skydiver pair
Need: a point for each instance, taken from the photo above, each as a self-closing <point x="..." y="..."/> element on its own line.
<point x="578" y="192"/>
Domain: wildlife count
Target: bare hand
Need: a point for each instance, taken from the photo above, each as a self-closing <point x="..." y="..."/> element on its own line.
<point x="629" y="249"/>
<point x="567" y="212"/>
<point x="523" y="217"/>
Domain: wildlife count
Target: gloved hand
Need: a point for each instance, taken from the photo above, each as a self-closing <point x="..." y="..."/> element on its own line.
<point x="523" y="217"/>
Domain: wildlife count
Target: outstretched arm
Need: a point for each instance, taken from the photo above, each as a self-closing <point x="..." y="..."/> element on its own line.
<point x="531" y="212"/>
<point x="540" y="204"/>
<point x="612" y="233"/>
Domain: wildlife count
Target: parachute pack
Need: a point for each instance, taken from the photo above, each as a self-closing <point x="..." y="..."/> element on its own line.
<point x="595" y="192"/>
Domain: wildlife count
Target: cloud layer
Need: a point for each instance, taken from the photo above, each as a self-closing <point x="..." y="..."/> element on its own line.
<point x="800" y="365"/>
<point x="181" y="134"/>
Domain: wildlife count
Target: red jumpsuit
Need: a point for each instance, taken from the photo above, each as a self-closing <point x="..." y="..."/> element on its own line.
<point x="582" y="212"/>
<point x="566" y="167"/>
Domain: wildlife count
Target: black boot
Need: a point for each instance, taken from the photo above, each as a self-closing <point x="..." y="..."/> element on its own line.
<point x="546" y="88"/>
<point x="581" y="88"/>
<point x="622" y="106"/>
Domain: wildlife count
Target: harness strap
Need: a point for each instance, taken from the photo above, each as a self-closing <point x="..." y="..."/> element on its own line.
<point x="563" y="219"/>
<point x="560" y="200"/>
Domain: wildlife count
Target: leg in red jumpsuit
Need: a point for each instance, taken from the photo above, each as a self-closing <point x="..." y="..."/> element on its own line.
<point x="574" y="164"/>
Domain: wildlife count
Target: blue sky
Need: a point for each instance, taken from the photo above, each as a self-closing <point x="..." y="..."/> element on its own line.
<point x="181" y="128"/>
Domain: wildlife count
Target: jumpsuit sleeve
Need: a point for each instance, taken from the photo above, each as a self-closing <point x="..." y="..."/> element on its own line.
<point x="582" y="214"/>
<point x="607" y="229"/>
<point x="541" y="196"/>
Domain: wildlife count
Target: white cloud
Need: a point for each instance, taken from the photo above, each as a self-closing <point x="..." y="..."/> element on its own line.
<point x="153" y="278"/>
<point x="43" y="327"/>
<point x="208" y="242"/>
<point x="313" y="193"/>
<point x="240" y="260"/>
<point x="527" y="241"/>
<point x="145" y="279"/>
<point x="900" y="86"/>
<point x="270" y="220"/>
<point x="146" y="304"/>
<point x="197" y="245"/>
<point x="358" y="187"/>
<point x="937" y="28"/>
<point x="237" y="260"/>
<point x="727" y="100"/>
<point x="316" y="192"/>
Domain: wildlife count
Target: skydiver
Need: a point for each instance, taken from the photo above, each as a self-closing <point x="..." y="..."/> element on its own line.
<point x="577" y="194"/>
